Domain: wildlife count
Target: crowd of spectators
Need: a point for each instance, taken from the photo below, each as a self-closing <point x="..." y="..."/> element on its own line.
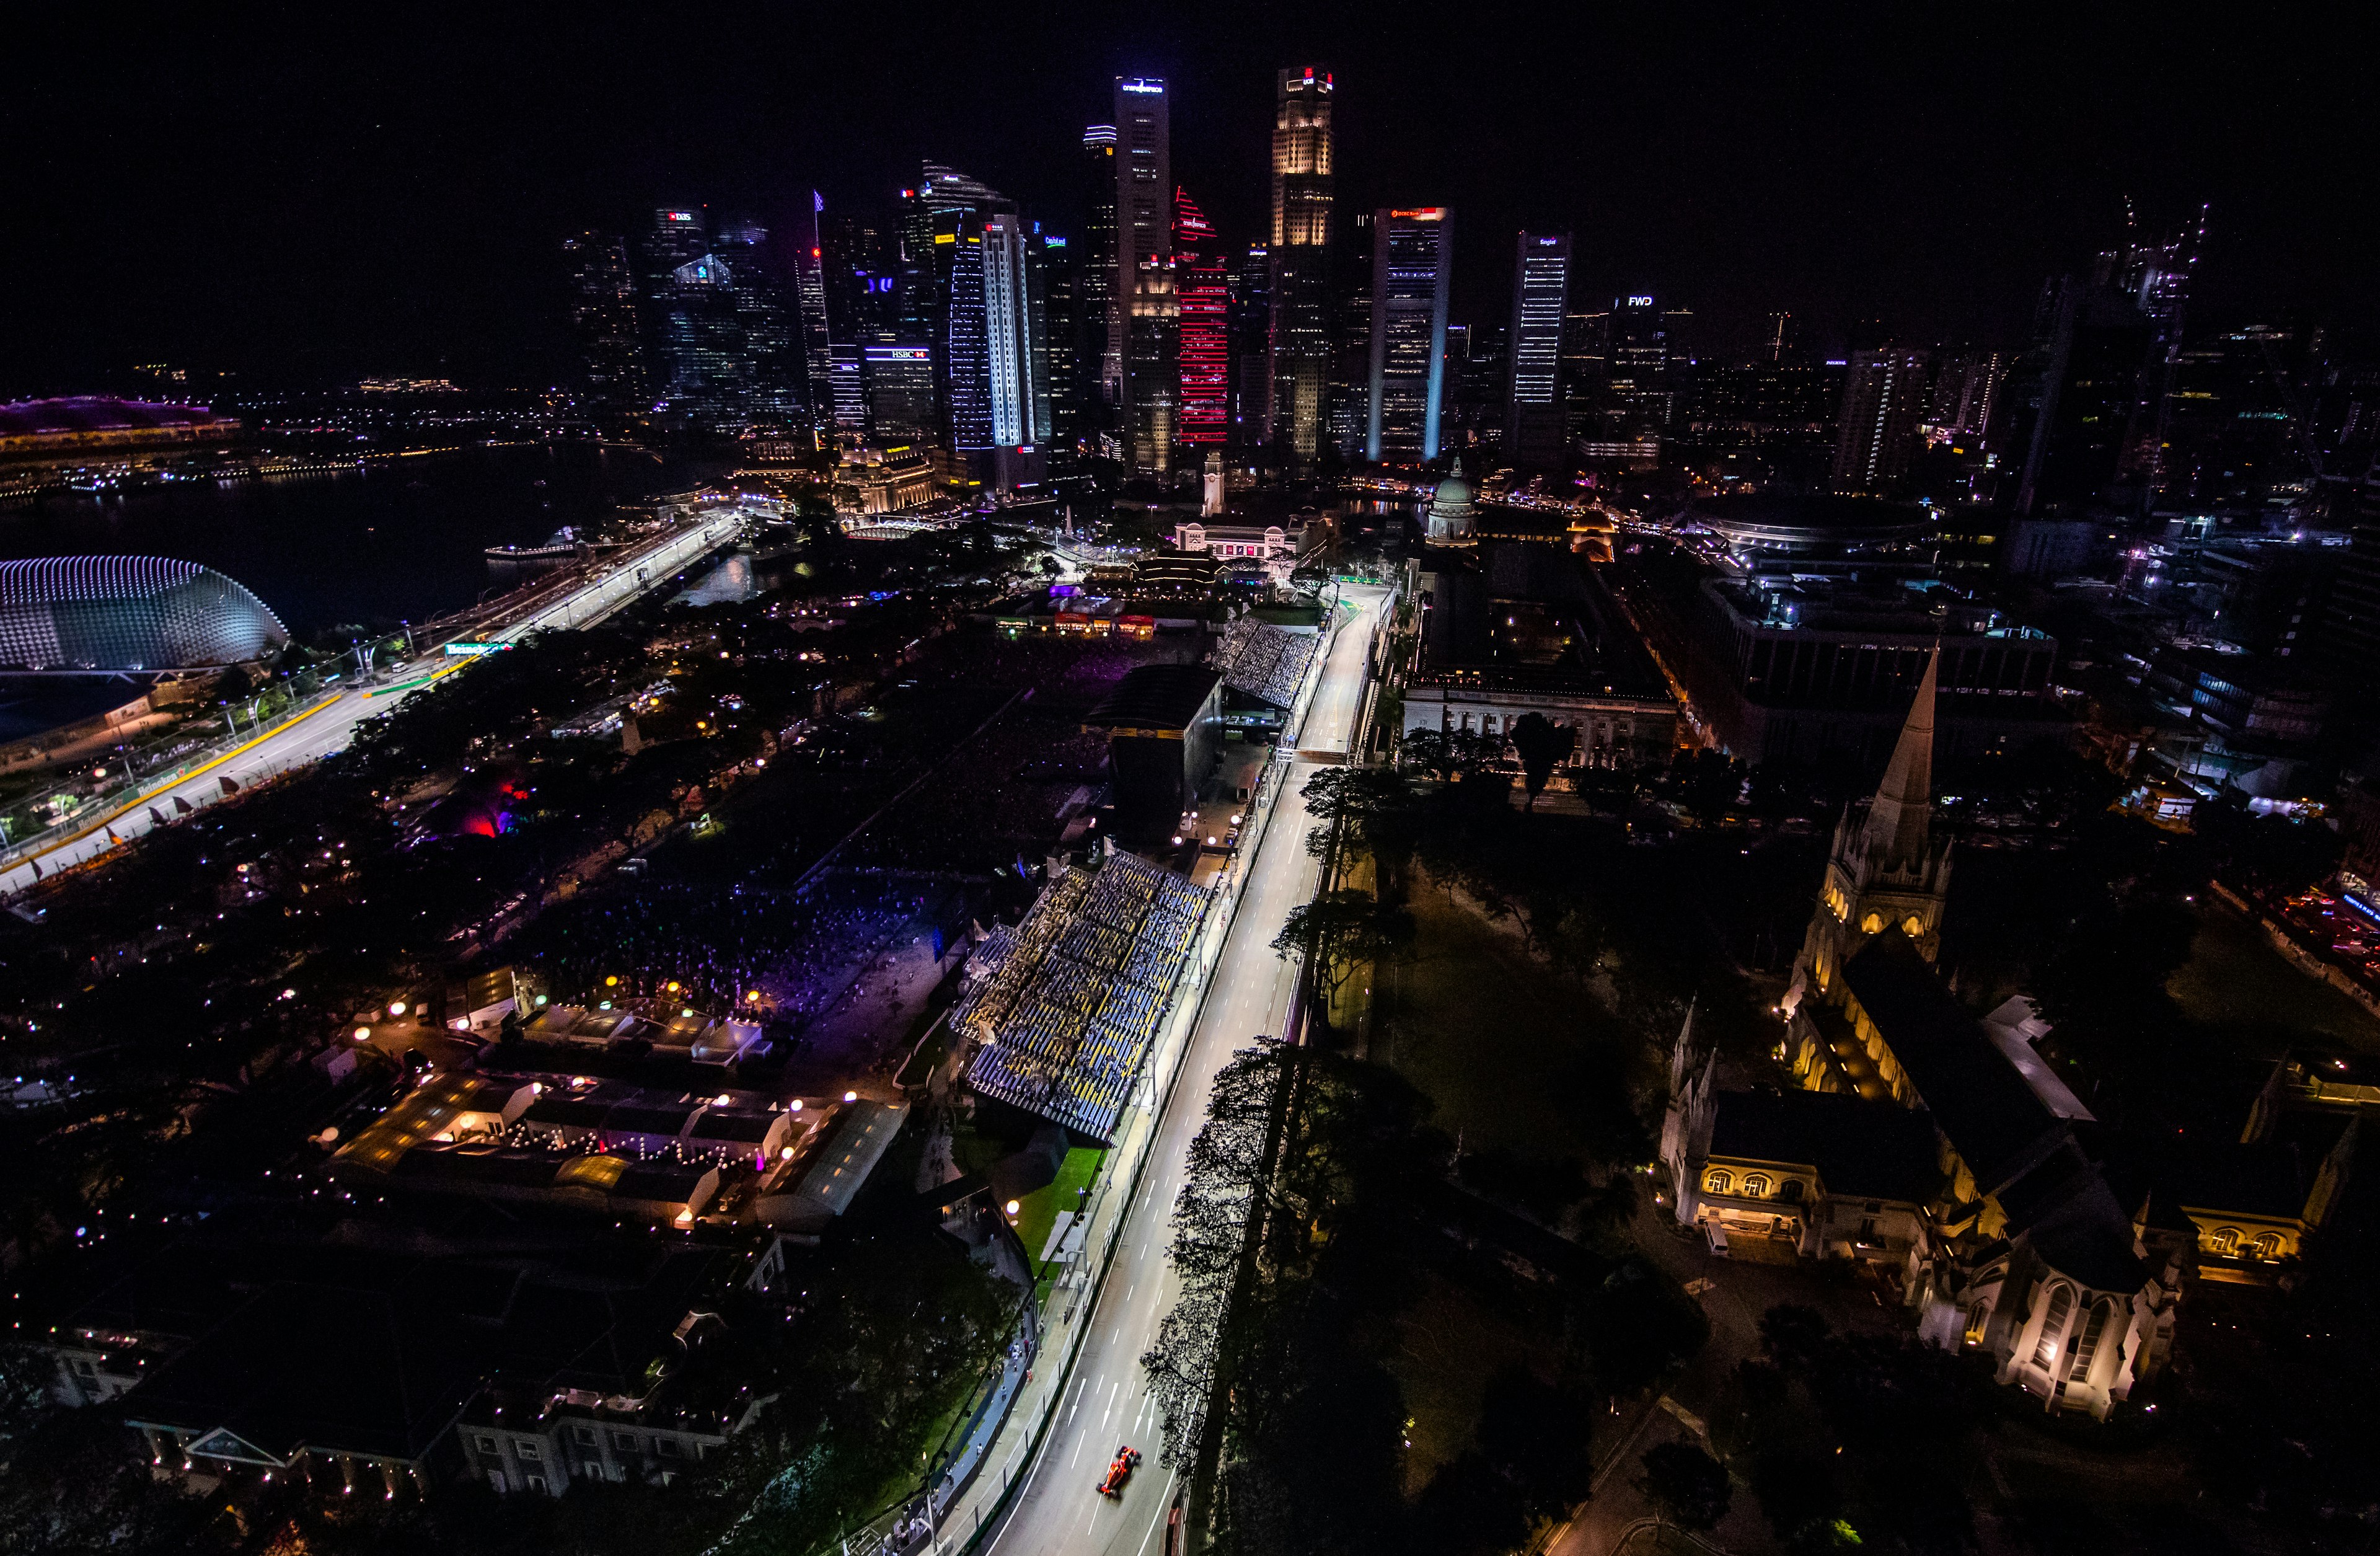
<point x="712" y="948"/>
<point x="1263" y="659"/>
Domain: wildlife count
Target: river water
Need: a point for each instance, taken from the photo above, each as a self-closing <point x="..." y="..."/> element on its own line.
<point x="397" y="543"/>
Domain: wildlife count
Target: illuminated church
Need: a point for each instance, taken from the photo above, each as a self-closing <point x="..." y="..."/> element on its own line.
<point x="1925" y="1141"/>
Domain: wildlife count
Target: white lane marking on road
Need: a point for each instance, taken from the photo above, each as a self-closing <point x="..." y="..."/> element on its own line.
<point x="1077" y="1457"/>
<point x="1164" y="1504"/>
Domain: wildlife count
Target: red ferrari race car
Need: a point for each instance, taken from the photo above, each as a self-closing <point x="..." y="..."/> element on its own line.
<point x="1126" y="1460"/>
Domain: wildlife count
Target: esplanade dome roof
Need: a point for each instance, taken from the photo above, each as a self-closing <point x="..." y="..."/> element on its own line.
<point x="128" y="613"/>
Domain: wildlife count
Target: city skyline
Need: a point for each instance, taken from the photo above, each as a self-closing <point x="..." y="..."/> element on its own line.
<point x="1739" y="205"/>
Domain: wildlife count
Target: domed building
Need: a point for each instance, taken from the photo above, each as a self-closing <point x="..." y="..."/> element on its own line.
<point x="1452" y="508"/>
<point x="128" y="613"/>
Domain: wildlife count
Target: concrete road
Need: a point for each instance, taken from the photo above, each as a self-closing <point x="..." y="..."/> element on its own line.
<point x="1107" y="1403"/>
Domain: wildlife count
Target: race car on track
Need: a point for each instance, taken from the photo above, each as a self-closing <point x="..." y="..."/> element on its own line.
<point x="1126" y="1459"/>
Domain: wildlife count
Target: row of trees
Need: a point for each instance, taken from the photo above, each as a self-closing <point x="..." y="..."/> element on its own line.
<point x="1302" y="1235"/>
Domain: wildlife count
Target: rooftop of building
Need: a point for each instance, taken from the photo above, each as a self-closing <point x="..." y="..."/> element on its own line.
<point x="1861" y="1148"/>
<point x="1992" y="1118"/>
<point x="1156" y="697"/>
<point x="1527" y="616"/>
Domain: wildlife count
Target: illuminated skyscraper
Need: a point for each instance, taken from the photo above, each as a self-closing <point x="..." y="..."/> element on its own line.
<point x="1202" y="298"/>
<point x="1251" y="326"/>
<point x="1061" y="332"/>
<point x="809" y="297"/>
<point x="1143" y="219"/>
<point x="1533" y="424"/>
<point x="1413" y="259"/>
<point x="770" y="379"/>
<point x="1637" y="362"/>
<point x="1781" y="342"/>
<point x="604" y="318"/>
<point x="1103" y="311"/>
<point x="1300" y="241"/>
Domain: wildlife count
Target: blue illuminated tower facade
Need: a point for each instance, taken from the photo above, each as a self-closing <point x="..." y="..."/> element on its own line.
<point x="1413" y="256"/>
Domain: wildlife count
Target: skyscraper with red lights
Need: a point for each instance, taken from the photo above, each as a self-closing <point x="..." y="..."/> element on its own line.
<point x="1202" y="293"/>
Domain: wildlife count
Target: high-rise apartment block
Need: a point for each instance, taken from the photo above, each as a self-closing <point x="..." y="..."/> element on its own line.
<point x="1883" y="401"/>
<point x="1413" y="259"/>
<point x="1300" y="245"/>
<point x="1535" y="434"/>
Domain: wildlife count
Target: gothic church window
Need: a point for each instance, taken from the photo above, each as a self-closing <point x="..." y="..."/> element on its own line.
<point x="1717" y="1182"/>
<point x="2053" y="1324"/>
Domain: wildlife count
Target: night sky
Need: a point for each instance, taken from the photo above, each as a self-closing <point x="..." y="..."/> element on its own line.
<point x="304" y="198"/>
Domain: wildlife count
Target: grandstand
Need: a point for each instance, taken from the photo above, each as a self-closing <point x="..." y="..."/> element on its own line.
<point x="1066" y="1004"/>
<point x="1264" y="660"/>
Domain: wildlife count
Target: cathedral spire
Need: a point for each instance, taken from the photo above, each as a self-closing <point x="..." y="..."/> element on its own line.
<point x="1898" y="818"/>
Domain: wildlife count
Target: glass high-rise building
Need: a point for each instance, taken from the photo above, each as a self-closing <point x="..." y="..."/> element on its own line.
<point x="1300" y="243"/>
<point x="1251" y="327"/>
<point x="1637" y="362"/>
<point x="769" y="382"/>
<point x="1413" y="259"/>
<point x="1060" y="333"/>
<point x="1143" y="217"/>
<point x="1535" y="421"/>
<point x="1103" y="305"/>
<point x="809" y="297"/>
<point x="1202" y="303"/>
<point x="604" y="318"/>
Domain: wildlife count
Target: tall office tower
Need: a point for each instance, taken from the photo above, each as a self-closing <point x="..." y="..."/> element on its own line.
<point x="1781" y="341"/>
<point x="702" y="344"/>
<point x="961" y="303"/>
<point x="1151" y="367"/>
<point x="1300" y="284"/>
<point x="847" y="388"/>
<point x="860" y="273"/>
<point x="903" y="406"/>
<point x="1636" y="362"/>
<point x="1251" y="327"/>
<point x="1061" y="332"/>
<point x="1884" y="400"/>
<point x="809" y="298"/>
<point x="1478" y="373"/>
<point x="680" y="235"/>
<point x="773" y="386"/>
<point x="2156" y="276"/>
<point x="1413" y="262"/>
<point x="1347" y="386"/>
<point x="1016" y="357"/>
<point x="1202" y="301"/>
<point x="2095" y="379"/>
<point x="1102" y="299"/>
<point x="1143" y="278"/>
<point x="1535" y="428"/>
<point x="1585" y="348"/>
<point x="604" y="318"/>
